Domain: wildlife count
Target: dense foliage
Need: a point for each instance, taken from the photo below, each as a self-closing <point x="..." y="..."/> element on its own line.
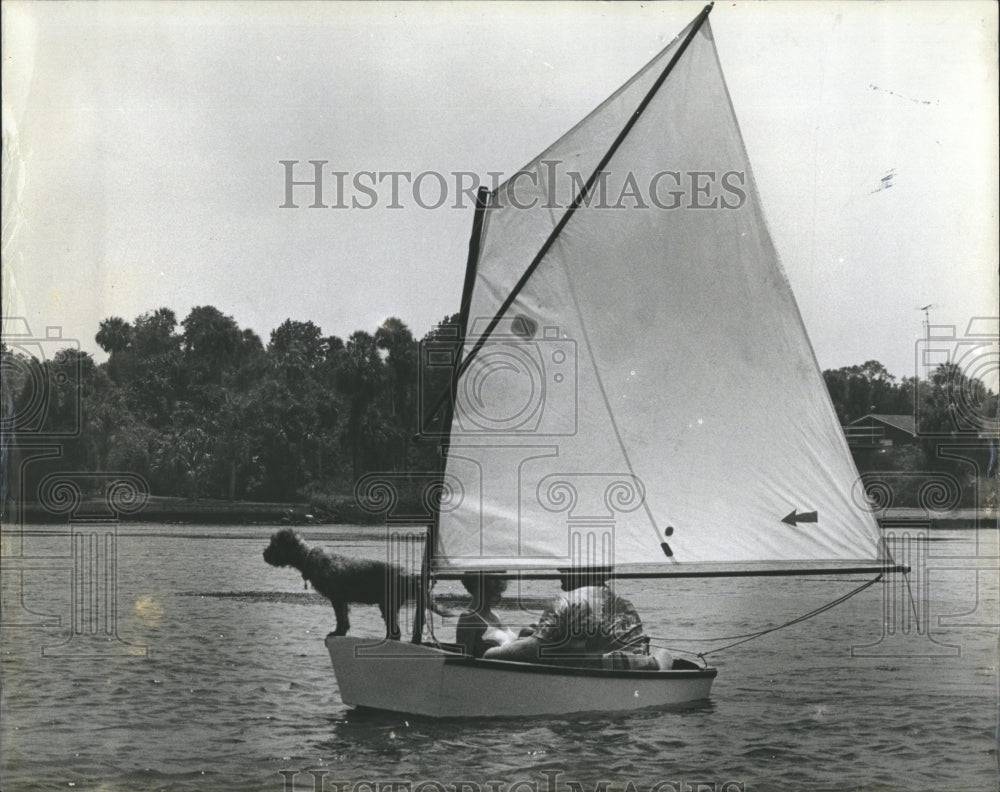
<point x="952" y="461"/>
<point x="204" y="409"/>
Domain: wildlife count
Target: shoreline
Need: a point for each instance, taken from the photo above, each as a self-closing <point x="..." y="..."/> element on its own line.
<point x="184" y="511"/>
<point x="955" y="520"/>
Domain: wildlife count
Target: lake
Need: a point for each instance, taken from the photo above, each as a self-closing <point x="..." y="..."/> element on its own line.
<point x="214" y="676"/>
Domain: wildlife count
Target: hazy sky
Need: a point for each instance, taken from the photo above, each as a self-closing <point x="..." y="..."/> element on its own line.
<point x="145" y="142"/>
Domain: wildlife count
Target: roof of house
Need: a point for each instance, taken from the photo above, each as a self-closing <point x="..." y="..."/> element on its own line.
<point x="905" y="423"/>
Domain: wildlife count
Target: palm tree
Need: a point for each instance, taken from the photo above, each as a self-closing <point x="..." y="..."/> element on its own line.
<point x="401" y="367"/>
<point x="114" y="335"/>
<point x="211" y="343"/>
<point x="360" y="380"/>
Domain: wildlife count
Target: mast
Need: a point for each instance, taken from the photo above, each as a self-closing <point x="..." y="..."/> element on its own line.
<point x="482" y="197"/>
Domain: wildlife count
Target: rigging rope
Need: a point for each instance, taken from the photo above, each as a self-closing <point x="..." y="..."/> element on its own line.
<point x="740" y="639"/>
<point x="913" y="602"/>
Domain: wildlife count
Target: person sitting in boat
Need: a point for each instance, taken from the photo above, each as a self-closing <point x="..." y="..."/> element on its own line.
<point x="588" y="625"/>
<point x="479" y="628"/>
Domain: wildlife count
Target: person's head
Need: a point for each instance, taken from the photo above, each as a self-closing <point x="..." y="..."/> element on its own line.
<point x="486" y="589"/>
<point x="580" y="577"/>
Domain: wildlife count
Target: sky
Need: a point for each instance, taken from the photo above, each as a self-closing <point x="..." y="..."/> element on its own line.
<point x="143" y="145"/>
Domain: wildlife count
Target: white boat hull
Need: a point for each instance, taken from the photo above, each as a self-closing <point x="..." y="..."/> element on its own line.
<point x="425" y="680"/>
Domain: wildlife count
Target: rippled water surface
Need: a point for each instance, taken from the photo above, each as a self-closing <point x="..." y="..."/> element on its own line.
<point x="219" y="680"/>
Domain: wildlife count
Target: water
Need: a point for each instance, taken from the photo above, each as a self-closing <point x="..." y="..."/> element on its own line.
<point x="220" y="681"/>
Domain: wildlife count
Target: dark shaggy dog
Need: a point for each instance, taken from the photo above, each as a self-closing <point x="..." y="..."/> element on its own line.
<point x="344" y="580"/>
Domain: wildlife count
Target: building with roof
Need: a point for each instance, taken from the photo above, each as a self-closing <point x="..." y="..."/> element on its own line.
<point x="881" y="431"/>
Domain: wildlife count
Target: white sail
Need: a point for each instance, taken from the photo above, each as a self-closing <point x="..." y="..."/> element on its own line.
<point x="650" y="396"/>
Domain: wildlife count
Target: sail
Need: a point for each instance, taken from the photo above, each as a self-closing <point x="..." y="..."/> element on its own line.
<point x="650" y="396"/>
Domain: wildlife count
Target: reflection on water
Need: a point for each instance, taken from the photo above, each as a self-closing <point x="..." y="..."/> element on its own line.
<point x="235" y="686"/>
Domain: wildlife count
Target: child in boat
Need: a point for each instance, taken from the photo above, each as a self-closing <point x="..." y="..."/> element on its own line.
<point x="589" y="625"/>
<point x="591" y="620"/>
<point x="479" y="628"/>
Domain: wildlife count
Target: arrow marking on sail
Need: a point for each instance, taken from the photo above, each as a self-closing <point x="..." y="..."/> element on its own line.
<point x="793" y="519"/>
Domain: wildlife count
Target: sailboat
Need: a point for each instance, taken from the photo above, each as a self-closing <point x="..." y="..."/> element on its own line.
<point x="635" y="391"/>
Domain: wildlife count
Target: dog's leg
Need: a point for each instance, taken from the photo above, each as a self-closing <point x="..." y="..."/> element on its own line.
<point x="394" y="623"/>
<point x="391" y="619"/>
<point x="343" y="623"/>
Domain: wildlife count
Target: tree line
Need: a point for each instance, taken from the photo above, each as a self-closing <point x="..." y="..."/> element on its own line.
<point x="204" y="409"/>
<point x="953" y="457"/>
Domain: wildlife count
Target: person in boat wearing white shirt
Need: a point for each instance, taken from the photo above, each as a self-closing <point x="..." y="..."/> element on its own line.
<point x="479" y="628"/>
<point x="589" y="625"/>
